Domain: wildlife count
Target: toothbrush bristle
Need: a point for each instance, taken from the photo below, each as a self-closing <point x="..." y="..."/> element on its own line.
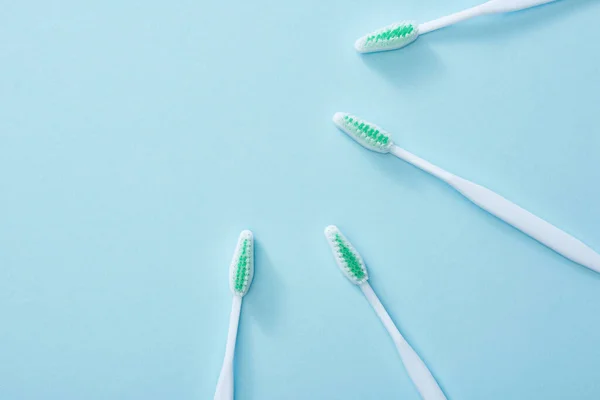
<point x="242" y="265"/>
<point x="390" y="37"/>
<point x="346" y="256"/>
<point x="367" y="134"/>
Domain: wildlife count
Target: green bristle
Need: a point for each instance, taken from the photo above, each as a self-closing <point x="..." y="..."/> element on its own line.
<point x="242" y="269"/>
<point x="390" y="37"/>
<point x="346" y="256"/>
<point x="352" y="262"/>
<point x="242" y="265"/>
<point x="365" y="133"/>
<point x="364" y="129"/>
<point x="400" y="32"/>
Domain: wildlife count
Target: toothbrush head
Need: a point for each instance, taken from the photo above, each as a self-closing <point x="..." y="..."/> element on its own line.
<point x="346" y="256"/>
<point x="390" y="37"/>
<point x="242" y="265"/>
<point x="367" y="134"/>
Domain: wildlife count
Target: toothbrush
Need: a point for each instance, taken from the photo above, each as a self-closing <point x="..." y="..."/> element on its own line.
<point x="403" y="33"/>
<point x="352" y="265"/>
<point x="374" y="138"/>
<point x="241" y="272"/>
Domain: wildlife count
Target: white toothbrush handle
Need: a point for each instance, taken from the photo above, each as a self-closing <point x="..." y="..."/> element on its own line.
<point x="502" y="6"/>
<point x="490" y="7"/>
<point x="225" y="384"/>
<point x="537" y="228"/>
<point x="416" y="368"/>
<point x="452" y="19"/>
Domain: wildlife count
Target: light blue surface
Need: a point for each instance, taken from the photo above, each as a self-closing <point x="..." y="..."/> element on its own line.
<point x="137" y="139"/>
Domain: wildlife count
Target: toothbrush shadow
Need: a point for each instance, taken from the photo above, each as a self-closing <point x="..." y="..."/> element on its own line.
<point x="402" y="174"/>
<point x="407" y="67"/>
<point x="264" y="302"/>
<point x="507" y="25"/>
<point x="263" y="305"/>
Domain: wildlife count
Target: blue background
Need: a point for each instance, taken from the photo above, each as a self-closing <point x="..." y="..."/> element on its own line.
<point x="138" y="138"/>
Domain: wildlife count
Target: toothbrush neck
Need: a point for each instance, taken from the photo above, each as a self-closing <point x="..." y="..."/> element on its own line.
<point x="490" y="7"/>
<point x="234" y="319"/>
<point x="453" y="18"/>
<point x="422" y="164"/>
<point x="401" y="343"/>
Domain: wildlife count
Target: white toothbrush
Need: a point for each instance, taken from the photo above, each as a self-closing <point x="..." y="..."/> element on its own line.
<point x="374" y="138"/>
<point x="241" y="272"/>
<point x="403" y="33"/>
<point x="352" y="265"/>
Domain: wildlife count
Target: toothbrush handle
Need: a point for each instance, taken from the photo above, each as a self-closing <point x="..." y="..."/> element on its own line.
<point x="490" y="7"/>
<point x="512" y="214"/>
<point x="500" y="6"/>
<point x="452" y="19"/>
<point x="224" y="389"/>
<point x="416" y="368"/>
<point x="537" y="228"/>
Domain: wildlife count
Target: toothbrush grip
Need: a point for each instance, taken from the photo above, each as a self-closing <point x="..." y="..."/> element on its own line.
<point x="224" y="389"/>
<point x="500" y="6"/>
<point x="419" y="373"/>
<point x="523" y="220"/>
<point x="489" y="7"/>
<point x="415" y="367"/>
